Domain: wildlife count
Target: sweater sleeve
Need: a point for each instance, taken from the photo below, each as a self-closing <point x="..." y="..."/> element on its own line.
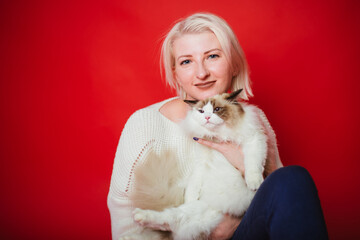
<point x="273" y="152"/>
<point x="136" y="139"/>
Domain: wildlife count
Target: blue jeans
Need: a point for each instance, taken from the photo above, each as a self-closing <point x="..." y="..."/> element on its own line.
<point x="285" y="207"/>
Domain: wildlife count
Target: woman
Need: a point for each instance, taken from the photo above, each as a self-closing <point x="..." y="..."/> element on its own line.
<point x="201" y="58"/>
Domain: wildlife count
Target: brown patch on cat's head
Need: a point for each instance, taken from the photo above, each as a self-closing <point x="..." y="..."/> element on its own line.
<point x="230" y="110"/>
<point x="197" y="104"/>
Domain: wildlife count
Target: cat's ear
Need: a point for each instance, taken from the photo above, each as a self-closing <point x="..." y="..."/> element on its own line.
<point x="191" y="102"/>
<point x="233" y="95"/>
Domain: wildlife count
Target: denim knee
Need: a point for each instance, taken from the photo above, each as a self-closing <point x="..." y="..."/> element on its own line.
<point x="291" y="172"/>
<point x="292" y="177"/>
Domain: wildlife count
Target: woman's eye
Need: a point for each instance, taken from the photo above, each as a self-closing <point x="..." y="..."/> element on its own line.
<point x="184" y="62"/>
<point x="213" y="56"/>
<point x="216" y="109"/>
<point x="201" y="111"/>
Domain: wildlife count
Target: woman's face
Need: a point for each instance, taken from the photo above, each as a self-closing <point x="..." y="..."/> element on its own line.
<point x="201" y="68"/>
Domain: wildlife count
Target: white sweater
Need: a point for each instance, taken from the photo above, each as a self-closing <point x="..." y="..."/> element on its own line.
<point x="149" y="129"/>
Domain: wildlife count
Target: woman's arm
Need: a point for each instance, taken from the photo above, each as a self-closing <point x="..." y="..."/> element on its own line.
<point x="133" y="145"/>
<point x="233" y="153"/>
<point x="273" y="161"/>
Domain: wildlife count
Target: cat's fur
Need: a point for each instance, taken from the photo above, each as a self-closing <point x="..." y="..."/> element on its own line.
<point x="191" y="208"/>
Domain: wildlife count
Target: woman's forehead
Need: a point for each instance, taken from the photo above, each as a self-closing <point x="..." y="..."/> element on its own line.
<point x="195" y="43"/>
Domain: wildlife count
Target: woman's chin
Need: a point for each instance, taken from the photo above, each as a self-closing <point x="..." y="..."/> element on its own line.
<point x="202" y="94"/>
<point x="207" y="95"/>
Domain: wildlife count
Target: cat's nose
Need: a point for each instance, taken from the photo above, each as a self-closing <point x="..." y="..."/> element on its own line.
<point x="207" y="117"/>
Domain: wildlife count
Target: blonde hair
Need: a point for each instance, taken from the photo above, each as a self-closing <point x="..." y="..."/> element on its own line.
<point x="206" y="22"/>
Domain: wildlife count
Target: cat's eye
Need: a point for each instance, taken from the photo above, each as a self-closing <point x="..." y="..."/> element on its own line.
<point x="217" y="109"/>
<point x="201" y="111"/>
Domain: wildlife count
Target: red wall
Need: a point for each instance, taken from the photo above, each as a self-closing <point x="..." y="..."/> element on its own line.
<point x="72" y="72"/>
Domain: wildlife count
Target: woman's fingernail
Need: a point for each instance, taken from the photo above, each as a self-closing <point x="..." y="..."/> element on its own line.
<point x="195" y="138"/>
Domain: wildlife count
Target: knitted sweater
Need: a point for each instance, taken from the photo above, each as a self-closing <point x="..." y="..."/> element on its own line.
<point x="148" y="129"/>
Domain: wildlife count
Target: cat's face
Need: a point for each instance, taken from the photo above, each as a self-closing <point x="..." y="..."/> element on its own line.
<point x="208" y="113"/>
<point x="216" y="111"/>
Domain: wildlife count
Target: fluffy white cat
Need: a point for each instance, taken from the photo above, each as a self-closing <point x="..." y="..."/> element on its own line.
<point x="191" y="208"/>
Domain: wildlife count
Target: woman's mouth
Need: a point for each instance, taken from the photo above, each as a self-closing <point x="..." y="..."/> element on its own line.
<point x="205" y="84"/>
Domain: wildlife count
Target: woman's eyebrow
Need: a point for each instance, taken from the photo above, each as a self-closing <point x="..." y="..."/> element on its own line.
<point x="182" y="56"/>
<point x="214" y="49"/>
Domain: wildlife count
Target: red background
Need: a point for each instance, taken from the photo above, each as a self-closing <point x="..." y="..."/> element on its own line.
<point x="71" y="73"/>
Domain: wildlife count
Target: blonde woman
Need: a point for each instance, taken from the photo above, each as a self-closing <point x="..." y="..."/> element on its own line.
<point x="201" y="57"/>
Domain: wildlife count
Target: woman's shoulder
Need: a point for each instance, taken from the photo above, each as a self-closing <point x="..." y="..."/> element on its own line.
<point x="174" y="110"/>
<point x="152" y="110"/>
<point x="252" y="111"/>
<point x="157" y="106"/>
<point x="249" y="107"/>
<point x="147" y="117"/>
<point x="256" y="113"/>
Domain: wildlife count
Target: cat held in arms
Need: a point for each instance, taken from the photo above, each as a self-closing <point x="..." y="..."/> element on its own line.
<point x="189" y="208"/>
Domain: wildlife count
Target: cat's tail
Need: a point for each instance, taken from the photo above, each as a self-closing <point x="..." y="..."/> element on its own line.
<point x="157" y="182"/>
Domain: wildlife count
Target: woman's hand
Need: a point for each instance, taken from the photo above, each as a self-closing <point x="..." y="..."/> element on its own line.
<point x="231" y="151"/>
<point x="226" y="228"/>
<point x="234" y="154"/>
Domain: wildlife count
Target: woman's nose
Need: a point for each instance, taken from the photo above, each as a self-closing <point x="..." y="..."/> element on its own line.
<point x="202" y="71"/>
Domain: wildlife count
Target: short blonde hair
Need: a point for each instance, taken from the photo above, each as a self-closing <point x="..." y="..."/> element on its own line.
<point x="206" y="22"/>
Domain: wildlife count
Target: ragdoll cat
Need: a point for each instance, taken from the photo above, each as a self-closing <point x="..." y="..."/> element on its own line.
<point x="191" y="208"/>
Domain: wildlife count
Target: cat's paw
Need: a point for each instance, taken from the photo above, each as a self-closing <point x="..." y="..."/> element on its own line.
<point x="253" y="180"/>
<point x="141" y="216"/>
<point x="150" y="219"/>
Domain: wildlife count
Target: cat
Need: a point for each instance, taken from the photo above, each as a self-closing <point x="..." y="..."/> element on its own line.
<point x="189" y="209"/>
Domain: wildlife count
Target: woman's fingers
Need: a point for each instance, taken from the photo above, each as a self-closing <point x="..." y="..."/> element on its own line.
<point x="231" y="151"/>
<point x="223" y="147"/>
<point x="226" y="228"/>
<point x="214" y="145"/>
